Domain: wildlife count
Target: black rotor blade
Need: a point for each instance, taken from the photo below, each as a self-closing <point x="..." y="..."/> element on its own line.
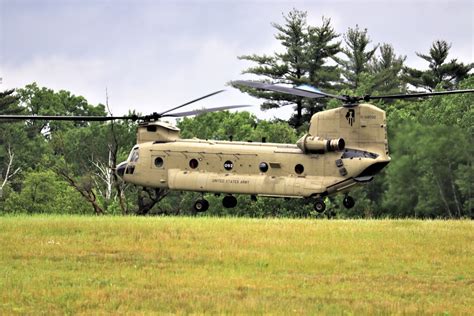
<point x="301" y="91"/>
<point x="201" y="111"/>
<point x="66" y="118"/>
<point x="192" y="101"/>
<point x="415" y="95"/>
<point x="312" y="89"/>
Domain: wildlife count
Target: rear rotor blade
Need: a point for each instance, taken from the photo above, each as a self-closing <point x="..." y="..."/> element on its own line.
<point x="201" y="111"/>
<point x="305" y="91"/>
<point x="415" y="95"/>
<point x="192" y="101"/>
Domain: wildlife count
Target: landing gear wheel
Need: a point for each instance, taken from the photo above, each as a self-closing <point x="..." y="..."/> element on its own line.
<point x="201" y="205"/>
<point x="229" y="201"/>
<point x="348" y="202"/>
<point x="319" y="206"/>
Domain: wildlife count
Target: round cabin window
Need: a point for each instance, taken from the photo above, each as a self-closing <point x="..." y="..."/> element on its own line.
<point x="158" y="162"/>
<point x="193" y="163"/>
<point x="228" y="165"/>
<point x="263" y="167"/>
<point x="299" y="168"/>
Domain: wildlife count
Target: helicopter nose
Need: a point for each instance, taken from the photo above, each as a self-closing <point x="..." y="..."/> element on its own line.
<point x="121" y="169"/>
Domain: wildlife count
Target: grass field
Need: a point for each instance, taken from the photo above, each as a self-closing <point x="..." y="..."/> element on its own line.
<point x="68" y="265"/>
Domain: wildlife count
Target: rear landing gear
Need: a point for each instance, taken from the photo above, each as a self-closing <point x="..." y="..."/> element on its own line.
<point x="348" y="202"/>
<point x="201" y="205"/>
<point x="319" y="206"/>
<point x="229" y="201"/>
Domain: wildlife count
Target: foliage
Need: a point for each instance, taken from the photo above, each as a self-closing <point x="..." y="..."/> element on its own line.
<point x="219" y="125"/>
<point x="79" y="152"/>
<point x="44" y="192"/>
<point x="44" y="101"/>
<point x="423" y="175"/>
<point x="9" y="103"/>
<point x="240" y="126"/>
<point x="386" y="69"/>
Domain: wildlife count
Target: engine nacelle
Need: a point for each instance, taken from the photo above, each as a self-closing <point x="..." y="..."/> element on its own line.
<point x="315" y="144"/>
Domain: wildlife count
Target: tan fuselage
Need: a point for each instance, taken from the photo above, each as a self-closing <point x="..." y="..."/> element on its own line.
<point x="268" y="169"/>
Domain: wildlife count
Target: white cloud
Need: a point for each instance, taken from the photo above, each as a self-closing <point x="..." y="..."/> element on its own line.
<point x="81" y="77"/>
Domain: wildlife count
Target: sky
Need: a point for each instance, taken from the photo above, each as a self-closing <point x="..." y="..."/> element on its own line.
<point x="154" y="55"/>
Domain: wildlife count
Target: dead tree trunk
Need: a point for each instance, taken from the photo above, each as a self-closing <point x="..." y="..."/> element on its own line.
<point x="453" y="189"/>
<point x="113" y="150"/>
<point x="86" y="191"/>
<point x="118" y="183"/>
<point x="443" y="198"/>
<point x="148" y="197"/>
<point x="9" y="172"/>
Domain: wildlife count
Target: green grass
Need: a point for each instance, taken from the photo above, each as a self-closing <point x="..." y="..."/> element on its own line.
<point x="66" y="265"/>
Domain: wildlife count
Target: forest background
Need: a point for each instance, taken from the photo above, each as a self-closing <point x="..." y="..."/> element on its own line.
<point x="67" y="168"/>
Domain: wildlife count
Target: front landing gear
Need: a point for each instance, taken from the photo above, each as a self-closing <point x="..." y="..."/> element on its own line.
<point x="348" y="202"/>
<point x="319" y="206"/>
<point x="201" y="205"/>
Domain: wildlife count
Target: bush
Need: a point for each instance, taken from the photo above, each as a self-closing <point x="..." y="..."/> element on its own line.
<point x="45" y="192"/>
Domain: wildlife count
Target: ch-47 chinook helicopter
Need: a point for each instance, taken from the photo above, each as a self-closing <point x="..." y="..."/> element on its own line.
<point x="344" y="147"/>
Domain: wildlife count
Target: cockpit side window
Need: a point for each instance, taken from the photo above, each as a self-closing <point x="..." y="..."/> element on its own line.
<point x="354" y="153"/>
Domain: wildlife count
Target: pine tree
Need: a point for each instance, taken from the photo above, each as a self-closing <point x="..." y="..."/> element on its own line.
<point x="303" y="61"/>
<point x="8" y="106"/>
<point x="440" y="72"/>
<point x="358" y="56"/>
<point x="322" y="48"/>
<point x="9" y="102"/>
<point x="386" y="70"/>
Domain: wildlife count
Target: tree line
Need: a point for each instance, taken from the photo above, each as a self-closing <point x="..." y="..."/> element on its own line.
<point x="67" y="167"/>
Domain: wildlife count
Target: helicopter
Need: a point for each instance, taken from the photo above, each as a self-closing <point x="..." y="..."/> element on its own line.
<point x="343" y="148"/>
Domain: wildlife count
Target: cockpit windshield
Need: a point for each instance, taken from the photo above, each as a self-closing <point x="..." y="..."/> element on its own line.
<point x="133" y="157"/>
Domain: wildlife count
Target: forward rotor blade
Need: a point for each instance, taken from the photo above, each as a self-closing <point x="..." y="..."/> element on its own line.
<point x="65" y="118"/>
<point x="415" y="95"/>
<point x="201" y="111"/>
<point x="192" y="101"/>
<point x="300" y="91"/>
<point x="312" y="89"/>
<point x="275" y="88"/>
